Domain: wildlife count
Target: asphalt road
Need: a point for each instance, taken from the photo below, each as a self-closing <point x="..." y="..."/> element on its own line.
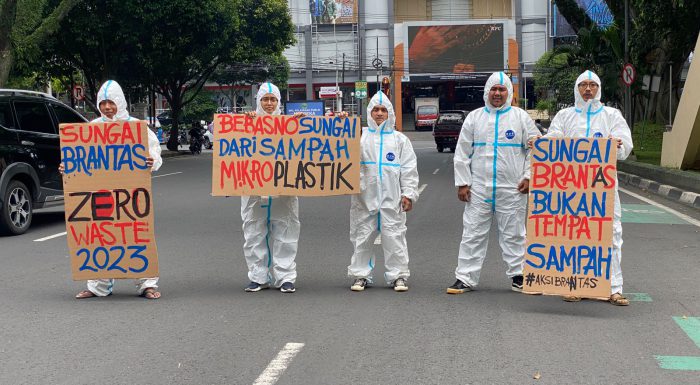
<point x="207" y="330"/>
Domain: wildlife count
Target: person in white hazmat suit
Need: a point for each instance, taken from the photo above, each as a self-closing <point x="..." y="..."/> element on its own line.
<point x="388" y="189"/>
<point x="270" y="224"/>
<point x="590" y="118"/>
<point x="112" y="106"/>
<point x="492" y="173"/>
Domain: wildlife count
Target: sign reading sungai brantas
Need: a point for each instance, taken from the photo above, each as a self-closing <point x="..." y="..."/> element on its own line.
<point x="286" y="155"/>
<point x="570" y="217"/>
<point x="108" y="200"/>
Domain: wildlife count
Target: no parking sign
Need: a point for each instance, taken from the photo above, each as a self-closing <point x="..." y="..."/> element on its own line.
<point x="628" y="74"/>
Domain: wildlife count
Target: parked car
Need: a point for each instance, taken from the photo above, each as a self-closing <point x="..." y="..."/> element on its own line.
<point x="30" y="154"/>
<point x="209" y="136"/>
<point x="447" y="128"/>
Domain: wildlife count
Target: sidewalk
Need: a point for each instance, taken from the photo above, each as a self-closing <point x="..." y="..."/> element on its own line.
<point x="182" y="151"/>
<point x="677" y="185"/>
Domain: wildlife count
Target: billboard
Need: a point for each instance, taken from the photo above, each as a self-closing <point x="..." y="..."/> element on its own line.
<point x="326" y="11"/>
<point x="310" y="108"/>
<point x="597" y="10"/>
<point x="455" y="51"/>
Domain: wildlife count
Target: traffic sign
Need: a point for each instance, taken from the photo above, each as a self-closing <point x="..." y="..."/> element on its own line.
<point x="361" y="90"/>
<point x="628" y="74"/>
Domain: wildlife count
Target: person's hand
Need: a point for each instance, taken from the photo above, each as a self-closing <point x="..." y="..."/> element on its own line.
<point x="464" y="193"/>
<point x="299" y="114"/>
<point x="61" y="169"/>
<point x="618" y="140"/>
<point x="532" y="140"/>
<point x="524" y="186"/>
<point x="343" y="114"/>
<point x="149" y="162"/>
<point x="251" y="114"/>
<point x="406" y="204"/>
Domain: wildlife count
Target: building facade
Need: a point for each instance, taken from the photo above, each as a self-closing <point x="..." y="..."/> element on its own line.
<point x="410" y="48"/>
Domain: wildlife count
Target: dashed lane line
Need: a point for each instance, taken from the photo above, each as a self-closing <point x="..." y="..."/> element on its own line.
<point x="172" y="173"/>
<point x="50" y="237"/>
<point x="279" y="364"/>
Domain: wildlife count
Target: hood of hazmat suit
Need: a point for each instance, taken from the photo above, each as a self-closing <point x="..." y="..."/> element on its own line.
<point x="268" y="88"/>
<point x="492" y="155"/>
<point x="270" y="224"/>
<point x="592" y="119"/>
<point x="388" y="172"/>
<point x="389" y="169"/>
<point x="111" y="90"/>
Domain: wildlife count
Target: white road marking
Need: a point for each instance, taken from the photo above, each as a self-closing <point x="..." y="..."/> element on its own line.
<point x="436" y="171"/>
<point x="680" y="215"/>
<point x="279" y="364"/>
<point x="172" y="173"/>
<point x="421" y="188"/>
<point x="50" y="237"/>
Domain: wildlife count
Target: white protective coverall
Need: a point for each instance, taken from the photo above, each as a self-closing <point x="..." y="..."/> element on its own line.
<point x="388" y="171"/>
<point x="111" y="90"/>
<point x="270" y="226"/>
<point x="492" y="157"/>
<point x="593" y="119"/>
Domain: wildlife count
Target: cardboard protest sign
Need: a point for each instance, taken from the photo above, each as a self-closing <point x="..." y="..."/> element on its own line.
<point x="108" y="200"/>
<point x="284" y="155"/>
<point x="570" y="217"/>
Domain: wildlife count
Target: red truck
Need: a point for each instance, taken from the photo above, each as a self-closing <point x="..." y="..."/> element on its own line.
<point x="427" y="110"/>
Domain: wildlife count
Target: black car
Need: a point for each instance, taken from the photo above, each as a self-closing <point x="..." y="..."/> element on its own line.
<point x="29" y="155"/>
<point x="447" y="128"/>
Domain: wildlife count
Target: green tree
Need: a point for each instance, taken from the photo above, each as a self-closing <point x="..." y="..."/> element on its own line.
<point x="170" y="46"/>
<point x="24" y="24"/>
<point x="248" y="70"/>
<point x="662" y="34"/>
<point x="554" y="80"/>
<point x="202" y="107"/>
<point x="193" y="38"/>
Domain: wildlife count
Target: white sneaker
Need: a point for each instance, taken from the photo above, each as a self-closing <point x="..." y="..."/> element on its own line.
<point x="400" y="284"/>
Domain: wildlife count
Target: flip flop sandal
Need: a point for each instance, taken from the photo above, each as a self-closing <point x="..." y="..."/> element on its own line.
<point x="147" y="291"/>
<point x="571" y="298"/>
<point x="85" y="294"/>
<point x="619" y="300"/>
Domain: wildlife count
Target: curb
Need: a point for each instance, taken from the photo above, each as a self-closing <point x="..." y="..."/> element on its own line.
<point x="687" y="198"/>
<point x="172" y="154"/>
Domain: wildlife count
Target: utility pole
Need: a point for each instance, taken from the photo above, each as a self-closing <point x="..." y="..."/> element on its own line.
<point x="628" y="89"/>
<point x="335" y="62"/>
<point x="343" y="68"/>
<point x="670" y="95"/>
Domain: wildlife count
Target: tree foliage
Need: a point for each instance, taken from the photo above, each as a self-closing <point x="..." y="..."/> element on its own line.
<point x="171" y="46"/>
<point x="202" y="107"/>
<point x="24" y="25"/>
<point x="236" y="73"/>
<point x="662" y="34"/>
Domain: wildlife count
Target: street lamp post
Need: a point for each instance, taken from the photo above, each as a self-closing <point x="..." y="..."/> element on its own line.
<point x="337" y="90"/>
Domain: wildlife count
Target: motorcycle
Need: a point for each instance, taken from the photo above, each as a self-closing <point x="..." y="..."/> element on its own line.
<point x="196" y="140"/>
<point x="182" y="138"/>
